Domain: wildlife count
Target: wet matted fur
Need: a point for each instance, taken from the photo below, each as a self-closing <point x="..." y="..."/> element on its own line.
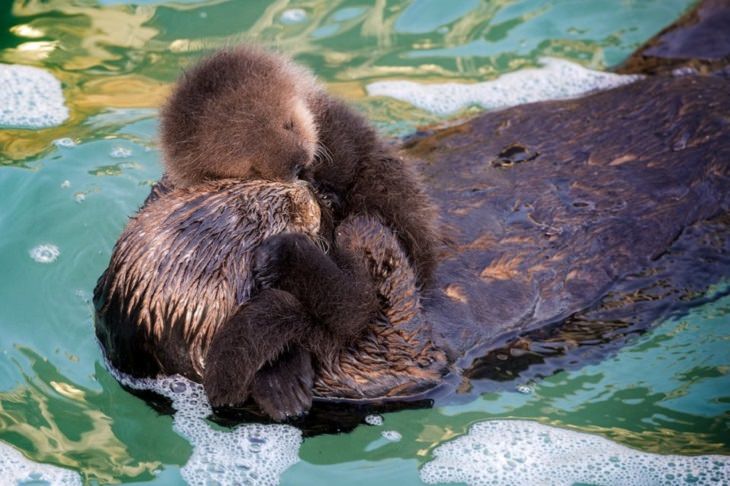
<point x="182" y="294"/>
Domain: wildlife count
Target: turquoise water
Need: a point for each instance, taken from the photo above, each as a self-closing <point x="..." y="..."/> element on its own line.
<point x="666" y="392"/>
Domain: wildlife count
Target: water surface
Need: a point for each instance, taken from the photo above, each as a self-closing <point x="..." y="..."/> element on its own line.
<point x="64" y="204"/>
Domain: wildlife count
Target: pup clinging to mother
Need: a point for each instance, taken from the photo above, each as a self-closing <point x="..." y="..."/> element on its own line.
<point x="249" y="113"/>
<point x="246" y="113"/>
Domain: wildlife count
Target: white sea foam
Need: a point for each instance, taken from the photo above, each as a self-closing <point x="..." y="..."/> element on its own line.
<point x="522" y="452"/>
<point x="556" y="79"/>
<point x="249" y="454"/>
<point x="46" y="253"/>
<point x="391" y="435"/>
<point x="16" y="469"/>
<point x="293" y="16"/>
<point x="374" y="419"/>
<point x="120" y="153"/>
<point x="30" y="98"/>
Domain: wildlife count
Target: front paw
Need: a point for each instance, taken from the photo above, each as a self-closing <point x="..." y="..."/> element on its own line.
<point x="275" y="257"/>
<point x="270" y="261"/>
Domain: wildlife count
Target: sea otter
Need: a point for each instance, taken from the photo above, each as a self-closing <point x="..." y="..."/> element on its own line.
<point x="183" y="270"/>
<point x="580" y="221"/>
<point x="248" y="113"/>
<point x="252" y="114"/>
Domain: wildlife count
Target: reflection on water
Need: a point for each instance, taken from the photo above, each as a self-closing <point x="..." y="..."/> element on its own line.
<point x="73" y="186"/>
<point x="124" y="56"/>
<point x="60" y="422"/>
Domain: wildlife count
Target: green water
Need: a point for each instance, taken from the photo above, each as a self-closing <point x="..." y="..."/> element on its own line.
<point x="667" y="392"/>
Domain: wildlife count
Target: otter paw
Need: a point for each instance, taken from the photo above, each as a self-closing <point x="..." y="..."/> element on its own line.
<point x="225" y="388"/>
<point x="272" y="258"/>
<point x="226" y="379"/>
<point x="283" y="389"/>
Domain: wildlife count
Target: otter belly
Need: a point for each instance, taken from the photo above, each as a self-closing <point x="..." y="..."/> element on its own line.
<point x="577" y="221"/>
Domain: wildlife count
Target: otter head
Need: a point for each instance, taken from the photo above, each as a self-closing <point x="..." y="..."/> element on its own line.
<point x="241" y="113"/>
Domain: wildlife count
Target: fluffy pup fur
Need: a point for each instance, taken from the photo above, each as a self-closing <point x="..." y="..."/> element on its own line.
<point x="252" y="114"/>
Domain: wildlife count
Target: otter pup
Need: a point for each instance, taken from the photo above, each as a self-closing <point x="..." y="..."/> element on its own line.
<point x="252" y="114"/>
<point x="249" y="113"/>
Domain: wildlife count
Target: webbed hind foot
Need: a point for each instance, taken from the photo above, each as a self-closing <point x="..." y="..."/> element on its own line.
<point x="283" y="389"/>
<point x="260" y="332"/>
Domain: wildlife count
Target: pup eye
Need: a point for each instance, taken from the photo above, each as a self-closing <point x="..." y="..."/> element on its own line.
<point x="289" y="125"/>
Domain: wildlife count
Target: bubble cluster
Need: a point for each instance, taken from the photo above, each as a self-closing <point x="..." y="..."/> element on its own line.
<point x="16" y="469"/>
<point x="374" y="419"/>
<point x="248" y="454"/>
<point x="30" y="98"/>
<point x="522" y="452"/>
<point x="46" y="253"/>
<point x="120" y="153"/>
<point x="293" y="16"/>
<point x="65" y="142"/>
<point x="556" y="79"/>
<point x="392" y="435"/>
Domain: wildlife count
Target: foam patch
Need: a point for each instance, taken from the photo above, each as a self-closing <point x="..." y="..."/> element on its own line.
<point x="248" y="454"/>
<point x="556" y="79"/>
<point x="30" y="98"/>
<point x="16" y="469"/>
<point x="523" y="452"/>
<point x="46" y="253"/>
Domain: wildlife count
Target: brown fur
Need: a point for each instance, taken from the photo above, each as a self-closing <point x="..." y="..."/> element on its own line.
<point x="241" y="113"/>
<point x="251" y="114"/>
<point x="182" y="267"/>
<point x="223" y="120"/>
<point x="179" y="296"/>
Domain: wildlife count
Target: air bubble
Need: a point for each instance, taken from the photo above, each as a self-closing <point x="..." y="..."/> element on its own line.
<point x="374" y="420"/>
<point x="65" y="142"/>
<point x="120" y="153"/>
<point x="248" y="454"/>
<point x="293" y="16"/>
<point x="16" y="469"/>
<point x="392" y="435"/>
<point x="521" y="452"/>
<point x="46" y="253"/>
<point x="31" y="98"/>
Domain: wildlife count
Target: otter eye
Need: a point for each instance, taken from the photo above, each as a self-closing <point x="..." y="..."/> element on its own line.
<point x="289" y="125"/>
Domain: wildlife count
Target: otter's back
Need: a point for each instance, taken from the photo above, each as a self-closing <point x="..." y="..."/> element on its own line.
<point x="182" y="266"/>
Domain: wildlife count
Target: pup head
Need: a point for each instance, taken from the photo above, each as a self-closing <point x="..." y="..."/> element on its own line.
<point x="240" y="113"/>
